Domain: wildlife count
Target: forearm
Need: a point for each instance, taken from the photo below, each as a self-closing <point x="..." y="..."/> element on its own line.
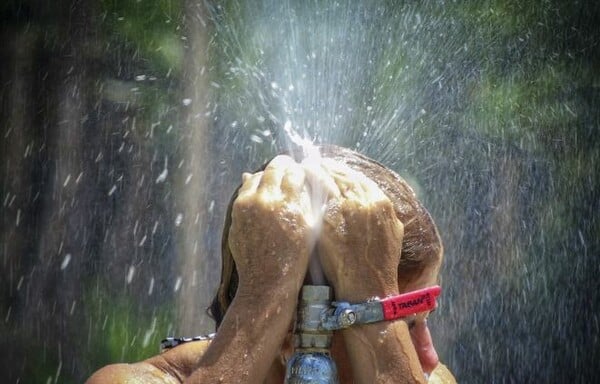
<point x="380" y="352"/>
<point x="248" y="339"/>
<point x="383" y="353"/>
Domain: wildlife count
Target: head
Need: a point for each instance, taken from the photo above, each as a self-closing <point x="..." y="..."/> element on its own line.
<point x="421" y="246"/>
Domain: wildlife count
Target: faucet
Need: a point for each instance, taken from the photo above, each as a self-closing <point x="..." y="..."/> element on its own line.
<point x="311" y="362"/>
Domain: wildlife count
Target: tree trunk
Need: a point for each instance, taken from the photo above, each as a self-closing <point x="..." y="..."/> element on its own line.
<point x="198" y="270"/>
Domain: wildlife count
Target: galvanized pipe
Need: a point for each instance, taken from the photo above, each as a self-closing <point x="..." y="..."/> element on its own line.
<point x="312" y="362"/>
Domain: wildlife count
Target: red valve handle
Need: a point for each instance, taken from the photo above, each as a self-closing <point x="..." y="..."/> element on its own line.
<point x="409" y="303"/>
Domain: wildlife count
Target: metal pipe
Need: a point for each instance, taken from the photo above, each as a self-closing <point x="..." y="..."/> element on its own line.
<point x="312" y="362"/>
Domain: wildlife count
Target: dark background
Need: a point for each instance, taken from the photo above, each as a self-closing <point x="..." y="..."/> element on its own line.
<point x="125" y="126"/>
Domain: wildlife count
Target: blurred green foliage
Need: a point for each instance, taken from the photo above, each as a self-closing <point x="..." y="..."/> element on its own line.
<point x="153" y="28"/>
<point x="121" y="329"/>
<point x="499" y="104"/>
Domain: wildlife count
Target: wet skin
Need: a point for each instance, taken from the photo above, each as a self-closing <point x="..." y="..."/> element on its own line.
<point x="271" y="238"/>
<point x="360" y="249"/>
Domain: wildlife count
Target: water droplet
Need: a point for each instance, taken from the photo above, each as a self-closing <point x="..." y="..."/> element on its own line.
<point x="178" y="219"/>
<point x="65" y="262"/>
<point x="177" y="284"/>
<point x="151" y="287"/>
<point x="20" y="283"/>
<point x="163" y="176"/>
<point x="67" y="179"/>
<point x="7" y="317"/>
<point x="149" y="333"/>
<point x="130" y="274"/>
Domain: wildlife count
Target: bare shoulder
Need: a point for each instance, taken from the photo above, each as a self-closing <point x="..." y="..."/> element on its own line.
<point x="441" y="375"/>
<point x="141" y="372"/>
<point x="167" y="368"/>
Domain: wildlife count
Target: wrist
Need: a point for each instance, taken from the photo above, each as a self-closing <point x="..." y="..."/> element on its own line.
<point x="375" y="331"/>
<point x="357" y="294"/>
<point x="383" y="352"/>
<point x="251" y="334"/>
<point x="280" y="296"/>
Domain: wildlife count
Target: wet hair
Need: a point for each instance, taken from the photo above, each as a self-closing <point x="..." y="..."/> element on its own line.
<point x="421" y="244"/>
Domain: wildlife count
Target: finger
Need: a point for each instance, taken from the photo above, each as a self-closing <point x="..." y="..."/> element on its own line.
<point x="246" y="176"/>
<point x="321" y="183"/>
<point x="280" y="162"/>
<point x="293" y="181"/>
<point x="270" y="181"/>
<point x="347" y="180"/>
<point x="296" y="192"/>
<point x="371" y="191"/>
<point x="273" y="174"/>
<point x="356" y="185"/>
<point x="250" y="183"/>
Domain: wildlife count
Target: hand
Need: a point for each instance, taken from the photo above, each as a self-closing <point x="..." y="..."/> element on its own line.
<point x="359" y="249"/>
<point x="361" y="239"/>
<point x="270" y="235"/>
<point x="270" y="238"/>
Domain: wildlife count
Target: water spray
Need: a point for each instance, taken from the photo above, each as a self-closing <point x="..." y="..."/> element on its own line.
<point x="311" y="156"/>
<point x="318" y="316"/>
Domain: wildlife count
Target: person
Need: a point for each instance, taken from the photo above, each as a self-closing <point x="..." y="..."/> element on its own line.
<point x="374" y="239"/>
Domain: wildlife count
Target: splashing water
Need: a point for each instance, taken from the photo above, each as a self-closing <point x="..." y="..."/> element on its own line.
<point x="488" y="109"/>
<point x="451" y="96"/>
<point x="309" y="73"/>
<point x="318" y="196"/>
<point x="321" y="66"/>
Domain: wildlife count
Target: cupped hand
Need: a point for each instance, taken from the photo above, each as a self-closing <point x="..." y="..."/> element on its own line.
<point x="270" y="240"/>
<point x="270" y="235"/>
<point x="361" y="239"/>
